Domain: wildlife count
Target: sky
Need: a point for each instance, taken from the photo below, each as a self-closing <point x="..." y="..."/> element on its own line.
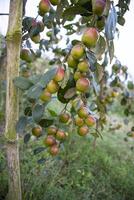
<point x="123" y="46"/>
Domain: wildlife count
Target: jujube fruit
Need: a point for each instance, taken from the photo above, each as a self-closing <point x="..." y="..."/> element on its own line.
<point x="83" y="66"/>
<point x="78" y="75"/>
<point x="82" y="84"/>
<point x="25" y="54"/>
<point x="44" y="7"/>
<point x="37" y="131"/>
<point x="59" y="75"/>
<point x="35" y="38"/>
<point x="98" y="7"/>
<point x="79" y="121"/>
<point x="64" y="117"/>
<point x="60" y="135"/>
<point x="52" y="130"/>
<point x="90" y="120"/>
<point x="83" y="112"/>
<point x="49" y="140"/>
<point x="54" y="150"/>
<point x="45" y="96"/>
<point x="77" y="51"/>
<point x="52" y="87"/>
<point x="83" y="130"/>
<point x="90" y="37"/>
<point x="72" y="62"/>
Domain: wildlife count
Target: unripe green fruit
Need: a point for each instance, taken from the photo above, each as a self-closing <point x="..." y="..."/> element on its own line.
<point x="98" y="7"/>
<point x="83" y="112"/>
<point x="52" y="87"/>
<point x="54" y="150"/>
<point x="83" y="130"/>
<point x="54" y="2"/>
<point x="90" y="120"/>
<point x="52" y="130"/>
<point x="77" y="52"/>
<point x="64" y="117"/>
<point x="72" y="62"/>
<point x="37" y="131"/>
<point x="82" y="85"/>
<point x="59" y="75"/>
<point x="60" y="135"/>
<point x="44" y="7"/>
<point x="49" y="140"/>
<point x="90" y="37"/>
<point x="79" y="121"/>
<point x="45" y="96"/>
<point x="83" y="66"/>
<point x="36" y="39"/>
<point x="78" y="75"/>
<point x="25" y="54"/>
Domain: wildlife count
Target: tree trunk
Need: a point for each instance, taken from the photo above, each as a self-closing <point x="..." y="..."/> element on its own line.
<point x="13" y="40"/>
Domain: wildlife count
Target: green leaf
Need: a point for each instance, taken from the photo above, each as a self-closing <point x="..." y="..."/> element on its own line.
<point x="38" y="150"/>
<point x="47" y="77"/>
<point x="21" y="124"/>
<point x="100" y="47"/>
<point x="22" y="83"/>
<point x="111" y="49"/>
<point x="27" y="138"/>
<point x="34" y="92"/>
<point x="46" y="122"/>
<point x="74" y="10"/>
<point x="70" y="93"/>
<point x="38" y="112"/>
<point x="52" y="112"/>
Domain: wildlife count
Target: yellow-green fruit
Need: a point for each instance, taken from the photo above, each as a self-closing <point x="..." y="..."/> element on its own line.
<point x="49" y="140"/>
<point x="52" y="87"/>
<point x="90" y="121"/>
<point x="52" y="130"/>
<point x="60" y="135"/>
<point x="83" y="66"/>
<point x="25" y="54"/>
<point x="90" y="37"/>
<point x="83" y="130"/>
<point x="79" y="121"/>
<point x="64" y="117"/>
<point x="36" y="39"/>
<point x="77" y="75"/>
<point x="37" y="131"/>
<point x="98" y="6"/>
<point x="77" y="52"/>
<point x="45" y="96"/>
<point x="44" y="7"/>
<point x="82" y="85"/>
<point x="54" y="2"/>
<point x="59" y="74"/>
<point x="72" y="62"/>
<point x="83" y="112"/>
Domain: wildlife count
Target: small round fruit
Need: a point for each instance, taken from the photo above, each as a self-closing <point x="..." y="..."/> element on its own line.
<point x="60" y="135"/>
<point x="36" y="39"/>
<point x="59" y="75"/>
<point x="83" y="112"/>
<point x="83" y="66"/>
<point x="79" y="121"/>
<point x="77" y="75"/>
<point x="64" y="117"/>
<point x="49" y="140"/>
<point x="25" y="54"/>
<point x="41" y="26"/>
<point x="45" y="96"/>
<point x="83" y="130"/>
<point x="98" y="7"/>
<point x="82" y="85"/>
<point x="52" y="130"/>
<point x="54" y="2"/>
<point x="90" y="37"/>
<point x="52" y="87"/>
<point x="54" y="150"/>
<point x="44" y="7"/>
<point x="90" y="121"/>
<point x="77" y="52"/>
<point x="72" y="62"/>
<point x="37" y="131"/>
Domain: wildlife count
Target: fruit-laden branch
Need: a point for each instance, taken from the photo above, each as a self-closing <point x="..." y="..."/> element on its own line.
<point x="13" y="39"/>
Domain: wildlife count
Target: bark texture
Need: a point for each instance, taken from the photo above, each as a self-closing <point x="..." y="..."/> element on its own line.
<point x="13" y="42"/>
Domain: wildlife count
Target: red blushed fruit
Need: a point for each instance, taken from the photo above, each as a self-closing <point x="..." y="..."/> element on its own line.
<point x="52" y="130"/>
<point x="83" y="130"/>
<point x="90" y="37"/>
<point x="72" y="62"/>
<point x="59" y="75"/>
<point x="49" y="140"/>
<point x="83" y="112"/>
<point x="77" y="52"/>
<point x="98" y="7"/>
<point x="54" y="150"/>
<point x="44" y="7"/>
<point x="37" y="131"/>
<point x="60" y="135"/>
<point x="45" y="96"/>
<point x="52" y="87"/>
<point x="82" y="85"/>
<point x="79" y="121"/>
<point x="83" y="66"/>
<point x="64" y="117"/>
<point x="90" y="121"/>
